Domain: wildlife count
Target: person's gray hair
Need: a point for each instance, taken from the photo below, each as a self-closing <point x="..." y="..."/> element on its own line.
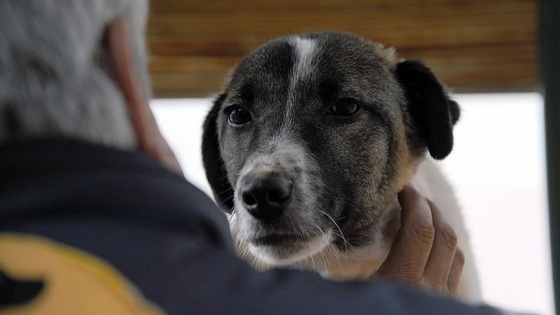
<point x="54" y="79"/>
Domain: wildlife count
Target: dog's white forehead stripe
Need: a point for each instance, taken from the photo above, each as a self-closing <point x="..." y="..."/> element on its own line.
<point x="305" y="51"/>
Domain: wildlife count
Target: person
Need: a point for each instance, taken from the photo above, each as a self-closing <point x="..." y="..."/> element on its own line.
<point x="96" y="217"/>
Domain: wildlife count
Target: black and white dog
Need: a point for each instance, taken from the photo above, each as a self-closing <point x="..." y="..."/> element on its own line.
<point x="310" y="142"/>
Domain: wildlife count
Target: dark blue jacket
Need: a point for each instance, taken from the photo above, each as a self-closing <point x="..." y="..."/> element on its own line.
<point x="168" y="238"/>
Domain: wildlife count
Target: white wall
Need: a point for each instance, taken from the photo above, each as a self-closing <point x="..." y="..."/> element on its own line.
<point x="497" y="168"/>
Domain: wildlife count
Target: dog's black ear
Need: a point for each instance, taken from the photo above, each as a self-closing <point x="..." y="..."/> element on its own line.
<point x="433" y="113"/>
<point x="212" y="159"/>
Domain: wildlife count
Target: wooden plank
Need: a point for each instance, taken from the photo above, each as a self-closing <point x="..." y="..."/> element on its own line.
<point x="475" y="25"/>
<point x="503" y="69"/>
<point x="472" y="45"/>
<point x="438" y="18"/>
<point x="166" y="6"/>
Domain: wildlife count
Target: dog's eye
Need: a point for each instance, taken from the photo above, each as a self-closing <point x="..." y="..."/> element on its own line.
<point x="238" y="115"/>
<point x="344" y="107"/>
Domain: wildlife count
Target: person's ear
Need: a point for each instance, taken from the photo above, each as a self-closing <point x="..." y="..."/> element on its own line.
<point x="148" y="136"/>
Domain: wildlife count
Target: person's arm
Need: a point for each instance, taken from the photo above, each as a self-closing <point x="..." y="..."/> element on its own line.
<point x="148" y="136"/>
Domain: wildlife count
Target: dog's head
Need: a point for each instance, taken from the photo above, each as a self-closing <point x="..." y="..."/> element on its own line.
<point x="313" y="137"/>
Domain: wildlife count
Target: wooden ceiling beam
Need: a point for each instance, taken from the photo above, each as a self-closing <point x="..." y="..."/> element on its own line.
<point x="472" y="45"/>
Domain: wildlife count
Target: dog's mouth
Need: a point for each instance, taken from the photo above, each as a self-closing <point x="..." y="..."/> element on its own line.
<point x="278" y="239"/>
<point x="285" y="249"/>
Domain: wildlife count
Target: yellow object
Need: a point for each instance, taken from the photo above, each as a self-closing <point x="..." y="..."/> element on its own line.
<point x="75" y="282"/>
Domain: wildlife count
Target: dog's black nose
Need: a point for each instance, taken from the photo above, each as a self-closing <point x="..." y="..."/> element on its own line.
<point x="265" y="196"/>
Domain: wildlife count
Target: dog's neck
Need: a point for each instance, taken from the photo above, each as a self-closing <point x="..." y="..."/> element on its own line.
<point x="364" y="261"/>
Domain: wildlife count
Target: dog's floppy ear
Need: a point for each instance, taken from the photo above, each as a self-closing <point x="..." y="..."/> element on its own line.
<point x="433" y="113"/>
<point x="212" y="159"/>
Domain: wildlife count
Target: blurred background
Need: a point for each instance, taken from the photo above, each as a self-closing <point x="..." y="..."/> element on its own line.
<point x="485" y="51"/>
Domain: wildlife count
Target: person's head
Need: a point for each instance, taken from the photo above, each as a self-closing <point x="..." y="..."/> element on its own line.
<point x="57" y="71"/>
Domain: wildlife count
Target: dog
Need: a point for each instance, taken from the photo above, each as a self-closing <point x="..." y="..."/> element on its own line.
<point x="311" y="140"/>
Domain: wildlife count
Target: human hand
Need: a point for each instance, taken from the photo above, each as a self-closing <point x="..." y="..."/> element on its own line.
<point x="424" y="252"/>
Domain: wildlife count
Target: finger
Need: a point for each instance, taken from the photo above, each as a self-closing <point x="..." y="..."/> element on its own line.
<point x="411" y="248"/>
<point x="443" y="250"/>
<point x="455" y="272"/>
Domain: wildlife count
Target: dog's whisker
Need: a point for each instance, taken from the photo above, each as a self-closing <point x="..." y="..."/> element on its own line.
<point x="313" y="263"/>
<point x="324" y="259"/>
<point x="333" y="250"/>
<point x="378" y="230"/>
<point x="346" y="243"/>
<point x="245" y="254"/>
<point x="229" y="198"/>
<point x="254" y="262"/>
